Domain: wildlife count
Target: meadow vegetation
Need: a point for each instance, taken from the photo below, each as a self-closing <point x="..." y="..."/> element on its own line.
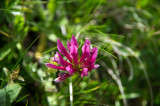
<point x="126" y="33"/>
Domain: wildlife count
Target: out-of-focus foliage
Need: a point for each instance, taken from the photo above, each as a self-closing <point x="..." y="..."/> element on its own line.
<point x="125" y="31"/>
<point x="9" y="94"/>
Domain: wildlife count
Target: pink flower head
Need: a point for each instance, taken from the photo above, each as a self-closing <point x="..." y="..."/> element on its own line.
<point x="75" y="64"/>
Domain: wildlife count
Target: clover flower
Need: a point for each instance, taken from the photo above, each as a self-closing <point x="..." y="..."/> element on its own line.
<point x="74" y="64"/>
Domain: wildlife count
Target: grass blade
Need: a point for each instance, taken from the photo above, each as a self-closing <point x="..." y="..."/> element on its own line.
<point x="7" y="78"/>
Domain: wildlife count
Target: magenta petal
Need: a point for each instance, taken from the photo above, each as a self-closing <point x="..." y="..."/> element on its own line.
<point x="87" y="41"/>
<point x="85" y="48"/>
<point x="55" y="58"/>
<point x="70" y="70"/>
<point x="94" y="52"/>
<point x="74" y="41"/>
<point x="57" y="80"/>
<point x="52" y="59"/>
<point x="94" y="66"/>
<point x="88" y="63"/>
<point x="85" y="52"/>
<point x="84" y="72"/>
<point x="68" y="45"/>
<point x="62" y="77"/>
<point x="63" y="50"/>
<point x="91" y="60"/>
<point x="54" y="66"/>
<point x="58" y="58"/>
<point x="74" y="54"/>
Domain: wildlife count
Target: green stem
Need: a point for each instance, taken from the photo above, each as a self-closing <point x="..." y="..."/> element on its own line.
<point x="71" y="91"/>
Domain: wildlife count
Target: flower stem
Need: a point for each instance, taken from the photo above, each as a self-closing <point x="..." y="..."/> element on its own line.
<point x="71" y="91"/>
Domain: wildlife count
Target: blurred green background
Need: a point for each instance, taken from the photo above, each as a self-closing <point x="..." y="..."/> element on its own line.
<point x="126" y="33"/>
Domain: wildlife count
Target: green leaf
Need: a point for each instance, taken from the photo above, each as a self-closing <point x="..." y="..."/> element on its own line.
<point x="130" y="96"/>
<point x="52" y="4"/>
<point x="19" y="22"/>
<point x="3" y="6"/>
<point x="12" y="3"/>
<point x="9" y="94"/>
<point x="6" y="50"/>
<point x="13" y="91"/>
<point x="9" y="17"/>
